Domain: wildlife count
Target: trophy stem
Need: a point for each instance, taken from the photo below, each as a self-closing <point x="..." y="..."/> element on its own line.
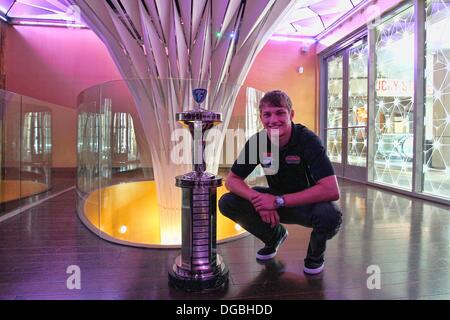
<point x="198" y="148"/>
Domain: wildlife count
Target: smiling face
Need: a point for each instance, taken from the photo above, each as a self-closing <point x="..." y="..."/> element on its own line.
<point x="277" y="121"/>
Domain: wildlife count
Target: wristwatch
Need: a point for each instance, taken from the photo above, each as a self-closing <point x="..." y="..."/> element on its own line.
<point x="279" y="201"/>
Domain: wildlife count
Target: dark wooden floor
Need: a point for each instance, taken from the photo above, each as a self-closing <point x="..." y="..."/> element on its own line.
<point x="61" y="179"/>
<point x="408" y="239"/>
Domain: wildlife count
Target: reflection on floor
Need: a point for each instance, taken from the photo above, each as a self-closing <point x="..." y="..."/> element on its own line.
<point x="406" y="238"/>
<point x="128" y="212"/>
<point x="61" y="179"/>
<point x="15" y="189"/>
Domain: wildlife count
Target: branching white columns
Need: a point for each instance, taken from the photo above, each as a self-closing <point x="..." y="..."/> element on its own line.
<point x="211" y="41"/>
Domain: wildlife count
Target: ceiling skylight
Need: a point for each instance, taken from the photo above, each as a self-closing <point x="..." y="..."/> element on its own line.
<point x="309" y="18"/>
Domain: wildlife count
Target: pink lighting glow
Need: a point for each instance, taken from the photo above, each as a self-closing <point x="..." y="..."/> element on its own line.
<point x="279" y="37"/>
<point x="49" y="23"/>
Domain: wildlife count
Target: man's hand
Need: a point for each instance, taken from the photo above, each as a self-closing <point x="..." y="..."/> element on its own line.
<point x="270" y="216"/>
<point x="263" y="201"/>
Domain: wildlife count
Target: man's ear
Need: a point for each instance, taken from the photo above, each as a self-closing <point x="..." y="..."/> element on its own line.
<point x="292" y="114"/>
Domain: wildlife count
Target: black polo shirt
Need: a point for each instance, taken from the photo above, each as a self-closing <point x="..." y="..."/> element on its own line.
<point x="297" y="166"/>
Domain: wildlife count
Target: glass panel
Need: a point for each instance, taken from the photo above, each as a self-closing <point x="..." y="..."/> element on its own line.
<point x="87" y="147"/>
<point x="357" y="110"/>
<point x="26" y="150"/>
<point x="124" y="146"/>
<point x="36" y="146"/>
<point x="10" y="187"/>
<point x="436" y="169"/>
<point x="335" y="85"/>
<point x="334" y="145"/>
<point x="394" y="90"/>
<point x="88" y="206"/>
<point x="357" y="92"/>
<point x="357" y="147"/>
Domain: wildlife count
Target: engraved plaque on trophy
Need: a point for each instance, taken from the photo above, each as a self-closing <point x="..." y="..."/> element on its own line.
<point x="198" y="267"/>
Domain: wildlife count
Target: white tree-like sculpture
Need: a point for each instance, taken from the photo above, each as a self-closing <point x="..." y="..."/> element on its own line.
<point x="177" y="45"/>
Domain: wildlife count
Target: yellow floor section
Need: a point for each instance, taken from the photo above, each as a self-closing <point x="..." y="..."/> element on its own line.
<point x="125" y="214"/>
<point x="16" y="189"/>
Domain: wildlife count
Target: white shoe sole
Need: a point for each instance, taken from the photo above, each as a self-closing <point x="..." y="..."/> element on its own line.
<point x="315" y="270"/>
<point x="266" y="257"/>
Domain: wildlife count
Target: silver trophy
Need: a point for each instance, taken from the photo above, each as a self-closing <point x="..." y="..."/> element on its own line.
<point x="199" y="267"/>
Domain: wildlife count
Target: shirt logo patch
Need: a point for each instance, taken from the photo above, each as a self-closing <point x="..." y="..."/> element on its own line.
<point x="266" y="159"/>
<point x="292" y="159"/>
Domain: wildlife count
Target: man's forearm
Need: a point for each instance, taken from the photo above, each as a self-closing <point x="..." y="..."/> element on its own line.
<point x="305" y="197"/>
<point x="325" y="191"/>
<point x="240" y="188"/>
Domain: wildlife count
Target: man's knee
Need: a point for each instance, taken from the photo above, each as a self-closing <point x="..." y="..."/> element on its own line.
<point x="226" y="204"/>
<point x="327" y="216"/>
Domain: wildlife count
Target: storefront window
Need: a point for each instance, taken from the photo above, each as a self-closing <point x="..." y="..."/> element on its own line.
<point x="357" y="109"/>
<point x="394" y="92"/>
<point x="436" y="169"/>
<point x="334" y="102"/>
<point x="334" y="145"/>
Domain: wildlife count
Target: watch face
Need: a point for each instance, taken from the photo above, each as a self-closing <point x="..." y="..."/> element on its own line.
<point x="279" y="201"/>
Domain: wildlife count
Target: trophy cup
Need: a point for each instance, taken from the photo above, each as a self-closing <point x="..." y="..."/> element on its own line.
<point x="198" y="268"/>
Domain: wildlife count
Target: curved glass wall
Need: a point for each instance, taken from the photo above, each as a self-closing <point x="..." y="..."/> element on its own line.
<point x="118" y="180"/>
<point x="25" y="149"/>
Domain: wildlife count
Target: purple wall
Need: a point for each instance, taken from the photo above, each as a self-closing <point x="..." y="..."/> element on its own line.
<point x="55" y="64"/>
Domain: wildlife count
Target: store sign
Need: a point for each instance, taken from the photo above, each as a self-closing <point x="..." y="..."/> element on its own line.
<point x="394" y="88"/>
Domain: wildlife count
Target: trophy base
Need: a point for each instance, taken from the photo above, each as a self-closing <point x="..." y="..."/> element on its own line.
<point x="196" y="283"/>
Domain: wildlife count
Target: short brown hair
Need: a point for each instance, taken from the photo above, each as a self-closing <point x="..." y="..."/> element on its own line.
<point x="276" y="98"/>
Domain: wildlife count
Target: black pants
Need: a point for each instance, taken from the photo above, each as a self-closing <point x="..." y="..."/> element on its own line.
<point x="324" y="218"/>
